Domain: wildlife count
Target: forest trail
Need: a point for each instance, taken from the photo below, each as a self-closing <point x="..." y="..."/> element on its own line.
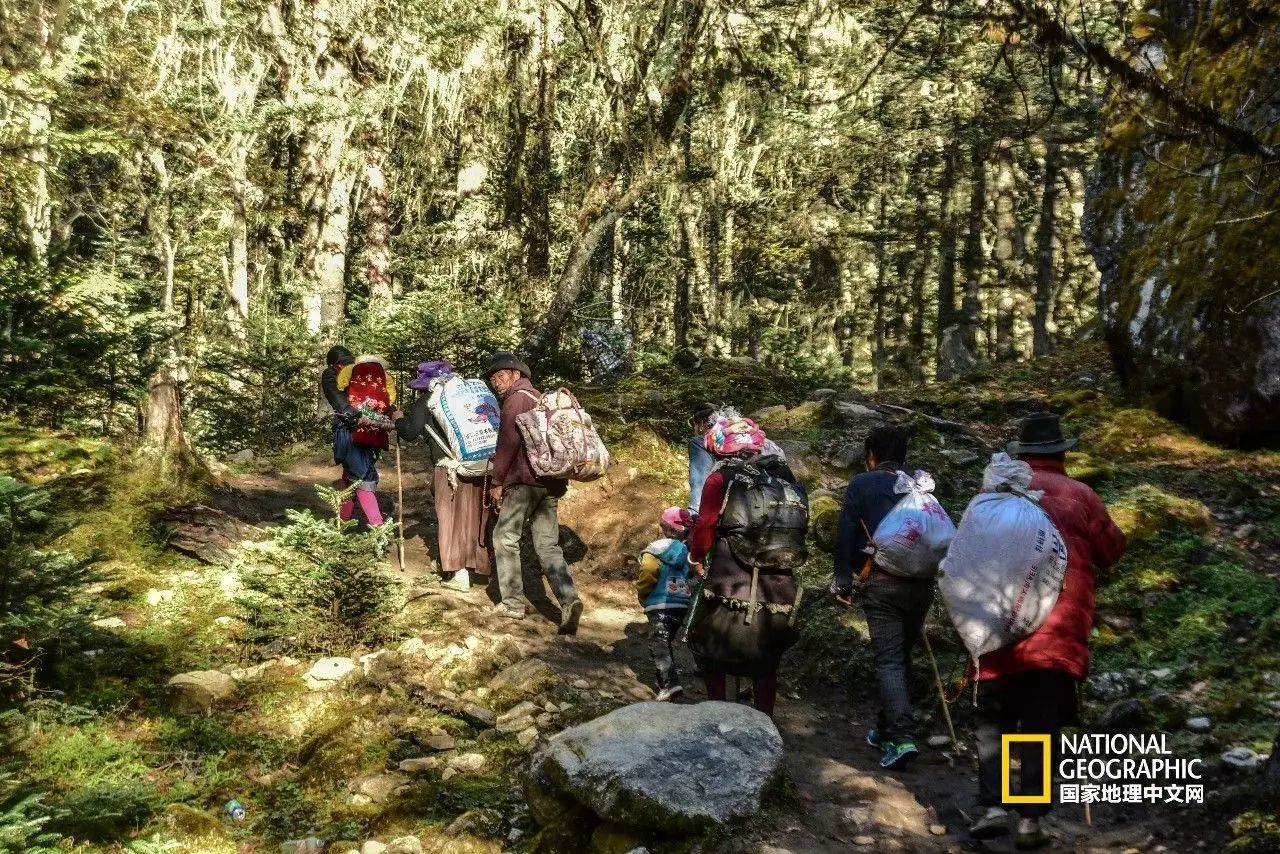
<point x="840" y="799"/>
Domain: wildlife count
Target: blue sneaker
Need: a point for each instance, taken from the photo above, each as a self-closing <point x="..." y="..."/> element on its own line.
<point x="873" y="738"/>
<point x="897" y="754"/>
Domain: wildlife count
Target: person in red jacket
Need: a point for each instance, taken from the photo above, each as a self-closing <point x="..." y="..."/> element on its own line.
<point x="1031" y="686"/>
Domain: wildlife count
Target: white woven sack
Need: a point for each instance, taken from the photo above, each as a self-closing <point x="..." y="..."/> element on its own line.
<point x="1004" y="569"/>
<point x="913" y="538"/>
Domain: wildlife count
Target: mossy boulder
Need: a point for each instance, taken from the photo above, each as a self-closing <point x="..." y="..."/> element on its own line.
<point x="824" y="521"/>
<point x="1188" y="250"/>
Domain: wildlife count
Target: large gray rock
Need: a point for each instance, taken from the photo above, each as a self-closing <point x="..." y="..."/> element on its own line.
<point x="680" y="768"/>
<point x="199" y="690"/>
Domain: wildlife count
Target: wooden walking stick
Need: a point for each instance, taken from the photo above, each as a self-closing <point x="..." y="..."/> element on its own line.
<point x="399" y="494"/>
<point x="942" y="694"/>
<point x="399" y="508"/>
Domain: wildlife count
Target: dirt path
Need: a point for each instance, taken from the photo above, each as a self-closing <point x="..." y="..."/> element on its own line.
<point x="842" y="799"/>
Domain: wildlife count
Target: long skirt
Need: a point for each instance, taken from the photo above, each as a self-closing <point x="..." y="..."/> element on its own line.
<point x="463" y="520"/>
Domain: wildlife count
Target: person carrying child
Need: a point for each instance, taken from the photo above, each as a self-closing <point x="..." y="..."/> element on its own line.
<point x="663" y="587"/>
<point x="362" y="412"/>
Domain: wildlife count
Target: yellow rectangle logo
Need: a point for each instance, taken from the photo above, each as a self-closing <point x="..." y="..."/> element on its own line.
<point x="1008" y="797"/>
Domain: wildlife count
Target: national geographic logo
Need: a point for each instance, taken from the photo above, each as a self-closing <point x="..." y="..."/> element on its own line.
<point x="1037" y="742"/>
<point x="1099" y="768"/>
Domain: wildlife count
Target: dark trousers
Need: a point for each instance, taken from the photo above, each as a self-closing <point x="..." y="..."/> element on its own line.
<point x="663" y="628"/>
<point x="1032" y="702"/>
<point x="764" y="690"/>
<point x="895" y="611"/>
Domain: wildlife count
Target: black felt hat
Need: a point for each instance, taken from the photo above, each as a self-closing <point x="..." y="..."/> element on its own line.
<point x="1041" y="433"/>
<point x="505" y="361"/>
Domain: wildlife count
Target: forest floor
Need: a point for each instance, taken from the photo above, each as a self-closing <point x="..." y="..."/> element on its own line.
<point x="840" y="797"/>
<point x="1188" y="624"/>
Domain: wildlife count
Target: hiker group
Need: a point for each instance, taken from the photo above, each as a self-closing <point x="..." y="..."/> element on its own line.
<point x="497" y="446"/>
<point x="1016" y="576"/>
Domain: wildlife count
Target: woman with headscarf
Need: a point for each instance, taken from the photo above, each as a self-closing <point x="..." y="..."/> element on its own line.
<point x="459" y="500"/>
<point x="359" y="462"/>
<point x="743" y="621"/>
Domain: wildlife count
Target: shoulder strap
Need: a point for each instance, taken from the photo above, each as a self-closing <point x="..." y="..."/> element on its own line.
<point x="444" y="446"/>
<point x="536" y="398"/>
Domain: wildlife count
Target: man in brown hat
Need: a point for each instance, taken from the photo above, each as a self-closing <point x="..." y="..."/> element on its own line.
<point x="522" y="497"/>
<point x="1030" y="686"/>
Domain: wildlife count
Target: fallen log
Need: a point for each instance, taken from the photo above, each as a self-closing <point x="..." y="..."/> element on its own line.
<point x="206" y="533"/>
<point x="940" y="423"/>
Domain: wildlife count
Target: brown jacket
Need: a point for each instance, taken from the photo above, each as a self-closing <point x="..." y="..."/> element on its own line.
<point x="510" y="464"/>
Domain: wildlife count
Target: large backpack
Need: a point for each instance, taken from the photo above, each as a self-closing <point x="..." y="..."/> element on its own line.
<point x="560" y="439"/>
<point x="370" y="394"/>
<point x="1004" y="570"/>
<point x="765" y="515"/>
<point x="913" y="537"/>
<point x="468" y="413"/>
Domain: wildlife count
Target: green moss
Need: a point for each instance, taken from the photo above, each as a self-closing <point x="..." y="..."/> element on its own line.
<point x="1147" y="511"/>
<point x="1089" y="469"/>
<point x="824" y="519"/>
<point x="33" y="455"/>
<point x="615" y="839"/>
<point x="1256" y="830"/>
<point x="188" y="822"/>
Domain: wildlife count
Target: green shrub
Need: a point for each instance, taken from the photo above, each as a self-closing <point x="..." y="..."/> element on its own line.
<point x="23" y="817"/>
<point x="106" y="812"/>
<point x="75" y="348"/>
<point x="440" y="322"/>
<point x="44" y="612"/>
<point x="320" y="582"/>
<point x="259" y="392"/>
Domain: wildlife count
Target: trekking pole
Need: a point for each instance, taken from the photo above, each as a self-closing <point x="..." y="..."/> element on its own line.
<point x="399" y="496"/>
<point x="942" y="694"/>
<point x="399" y="508"/>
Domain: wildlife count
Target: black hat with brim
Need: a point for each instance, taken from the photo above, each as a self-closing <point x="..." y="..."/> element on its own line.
<point x="507" y="362"/>
<point x="1041" y="433"/>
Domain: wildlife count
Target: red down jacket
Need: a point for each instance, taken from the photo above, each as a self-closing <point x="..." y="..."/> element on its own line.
<point x="1093" y="540"/>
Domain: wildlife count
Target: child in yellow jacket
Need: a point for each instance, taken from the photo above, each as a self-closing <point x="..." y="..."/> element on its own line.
<point x="663" y="587"/>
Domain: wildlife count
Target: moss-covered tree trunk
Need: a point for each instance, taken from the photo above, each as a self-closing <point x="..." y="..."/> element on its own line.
<point x="1042" y="343"/>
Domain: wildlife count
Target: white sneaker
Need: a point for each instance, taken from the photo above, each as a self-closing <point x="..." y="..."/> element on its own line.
<point x="461" y="581"/>
<point x="994" y="823"/>
<point x="666" y="695"/>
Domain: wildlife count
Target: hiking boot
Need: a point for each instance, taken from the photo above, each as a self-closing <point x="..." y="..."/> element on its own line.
<point x="666" y="695"/>
<point x="897" y="754"/>
<point x="569" y="616"/>
<point x="508" y="611"/>
<point x="461" y="581"/>
<point x="1030" y="835"/>
<point x="873" y="738"/>
<point x="994" y="823"/>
